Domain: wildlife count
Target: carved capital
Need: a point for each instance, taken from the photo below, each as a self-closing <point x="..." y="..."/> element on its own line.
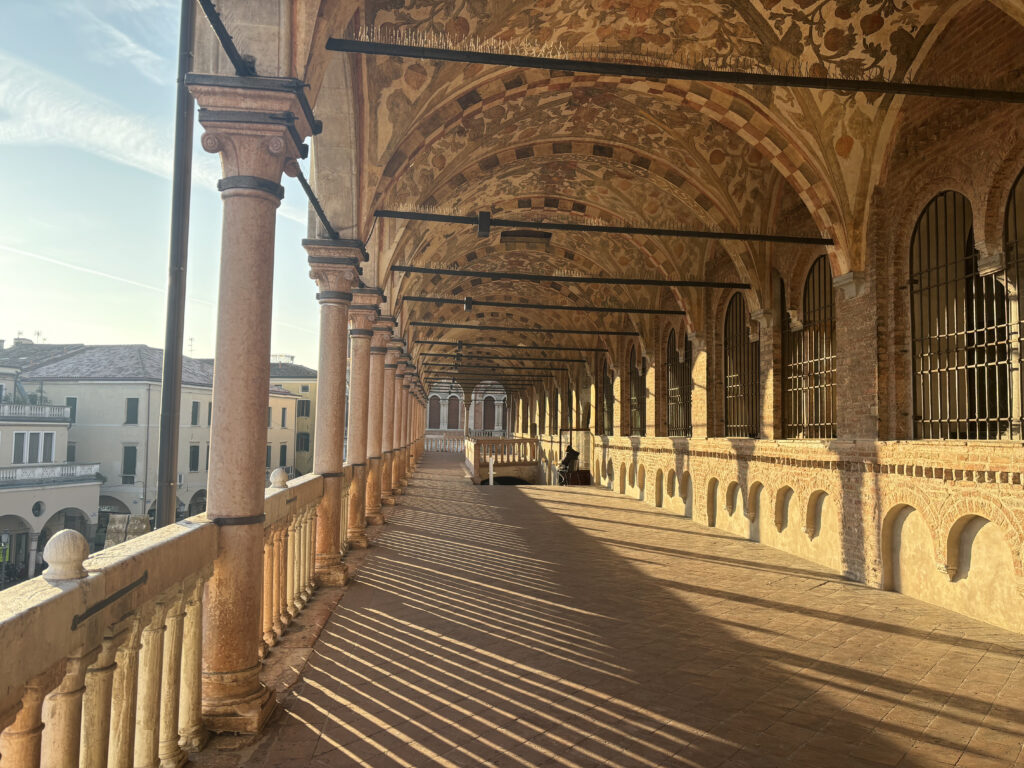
<point x="256" y="131"/>
<point x="850" y="285"/>
<point x="990" y="261"/>
<point x="795" y="321"/>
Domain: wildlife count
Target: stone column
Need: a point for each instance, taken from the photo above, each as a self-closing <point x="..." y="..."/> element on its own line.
<point x="396" y="455"/>
<point x="169" y="750"/>
<point x="388" y="426"/>
<point x="33" y="548"/>
<point x="243" y="126"/>
<point x="99" y="686"/>
<point x="375" y="419"/>
<point x="335" y="268"/>
<point x="21" y="741"/>
<point x="362" y="317"/>
<point x="147" y="710"/>
<point x="407" y="405"/>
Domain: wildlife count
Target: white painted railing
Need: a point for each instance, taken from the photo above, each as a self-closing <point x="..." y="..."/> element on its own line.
<point x="15" y="411"/>
<point x="444" y="444"/>
<point x="46" y="472"/>
<point x="486" y="433"/>
<point x="507" y="451"/>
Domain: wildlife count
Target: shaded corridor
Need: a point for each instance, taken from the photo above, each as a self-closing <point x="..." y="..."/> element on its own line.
<point x="536" y="626"/>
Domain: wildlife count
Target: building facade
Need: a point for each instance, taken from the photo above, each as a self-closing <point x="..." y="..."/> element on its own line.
<point x="300" y="381"/>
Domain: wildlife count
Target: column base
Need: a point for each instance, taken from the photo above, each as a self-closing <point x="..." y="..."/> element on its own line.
<point x="357" y="539"/>
<point x="388" y="501"/>
<point x="247" y="715"/>
<point x="193" y="741"/>
<point x="374" y="517"/>
<point x="178" y="760"/>
<point x="333" y="576"/>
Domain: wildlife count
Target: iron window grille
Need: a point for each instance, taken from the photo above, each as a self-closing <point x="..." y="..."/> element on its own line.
<point x="637" y="399"/>
<point x="809" y="361"/>
<point x="965" y="326"/>
<point x="679" y="387"/>
<point x="607" y="401"/>
<point x="742" y="347"/>
<point x="553" y="425"/>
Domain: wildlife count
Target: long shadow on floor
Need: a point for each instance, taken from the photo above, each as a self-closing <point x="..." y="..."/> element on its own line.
<point x="488" y="629"/>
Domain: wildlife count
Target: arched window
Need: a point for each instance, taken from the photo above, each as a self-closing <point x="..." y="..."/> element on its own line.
<point x="742" y="372"/>
<point x="1014" y="281"/>
<point x="607" y="400"/>
<point x="637" y="398"/>
<point x="542" y="411"/>
<point x="809" y="360"/>
<point x="488" y="412"/>
<point x="554" y="426"/>
<point x="434" y="413"/>
<point x="453" y="412"/>
<point x="961" y="337"/>
<point x="679" y="386"/>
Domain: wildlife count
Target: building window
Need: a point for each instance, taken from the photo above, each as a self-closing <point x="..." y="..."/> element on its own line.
<point x="207" y="457"/>
<point x="679" y="386"/>
<point x="434" y="413"/>
<point x="270" y="417"/>
<point x="554" y="425"/>
<point x="607" y="400"/>
<point x="209" y="413"/>
<point x="742" y="348"/>
<point x="304" y="388"/>
<point x="72" y="403"/>
<point x="129" y="453"/>
<point x="193" y="457"/>
<point x="33" y="448"/>
<point x="302" y="441"/>
<point x="809" y="361"/>
<point x="542" y="415"/>
<point x="3" y="392"/>
<point x="453" y="412"/>
<point x="284" y="456"/>
<point x="131" y="410"/>
<point x="304" y="407"/>
<point x="637" y="396"/>
<point x="71" y="453"/>
<point x="268" y="456"/>
<point x="489" y="412"/>
<point x="195" y="413"/>
<point x="284" y="418"/>
<point x="963" y="326"/>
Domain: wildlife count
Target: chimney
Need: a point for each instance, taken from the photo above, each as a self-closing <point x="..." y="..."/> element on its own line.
<point x="21" y="340"/>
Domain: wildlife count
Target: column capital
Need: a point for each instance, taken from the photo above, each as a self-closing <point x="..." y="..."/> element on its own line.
<point x="382" y="334"/>
<point x="334" y="276"/>
<point x="258" y="130"/>
<point x="364" y="312"/>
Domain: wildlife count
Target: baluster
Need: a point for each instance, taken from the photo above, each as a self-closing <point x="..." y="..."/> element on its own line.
<point x="269" y="638"/>
<point x="191" y="730"/>
<point x="169" y="751"/>
<point x="21" y="741"/>
<point x="282" y="577"/>
<point x="311" y="555"/>
<point x="276" y="585"/>
<point x="147" y="710"/>
<point x="124" y="696"/>
<point x="62" y="713"/>
<point x="99" y="684"/>
<point x="291" y="610"/>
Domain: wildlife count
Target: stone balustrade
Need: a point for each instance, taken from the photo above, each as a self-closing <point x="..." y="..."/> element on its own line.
<point x="514" y="457"/>
<point x="289" y="543"/>
<point x="103" y="655"/>
<point x="440" y="444"/>
<point x="48" y="473"/>
<point x="19" y="412"/>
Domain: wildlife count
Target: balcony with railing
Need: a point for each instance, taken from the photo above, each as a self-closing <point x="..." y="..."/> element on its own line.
<point x="34" y="413"/>
<point x="48" y="474"/>
<point x="509" y="457"/>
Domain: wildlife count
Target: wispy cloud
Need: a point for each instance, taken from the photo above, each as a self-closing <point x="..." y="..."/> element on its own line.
<point x="111" y="45"/>
<point x="40" y="108"/>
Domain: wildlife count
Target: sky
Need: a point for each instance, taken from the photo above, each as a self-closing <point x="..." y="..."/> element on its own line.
<point x="87" y="98"/>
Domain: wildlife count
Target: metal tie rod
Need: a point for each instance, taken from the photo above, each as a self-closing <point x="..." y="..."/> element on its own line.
<point x="482" y="220"/>
<point x="470" y="303"/>
<point x="661" y="72"/>
<point x="497" y="345"/>
<point x="568" y="279"/>
<point x="425" y="324"/>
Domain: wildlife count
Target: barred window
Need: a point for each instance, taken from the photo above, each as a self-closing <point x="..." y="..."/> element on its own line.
<point x="453" y="412"/>
<point x="809" y="361"/>
<point x="964" y="325"/>
<point x="679" y="386"/>
<point x="742" y="349"/>
<point x="637" y="399"/>
<point x="434" y="413"/>
<point x="607" y="400"/>
<point x="554" y="425"/>
<point x="542" y="412"/>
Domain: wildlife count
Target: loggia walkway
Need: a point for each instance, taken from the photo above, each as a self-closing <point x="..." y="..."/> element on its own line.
<point x="536" y="626"/>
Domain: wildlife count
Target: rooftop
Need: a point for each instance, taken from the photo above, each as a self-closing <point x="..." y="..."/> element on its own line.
<point x="117" y="362"/>
<point x="291" y="371"/>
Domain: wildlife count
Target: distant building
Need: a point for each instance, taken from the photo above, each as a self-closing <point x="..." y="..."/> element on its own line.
<point x="112" y="396"/>
<point x="42" y="488"/>
<point x="300" y="380"/>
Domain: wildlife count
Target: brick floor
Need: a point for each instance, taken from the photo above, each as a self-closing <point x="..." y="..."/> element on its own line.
<point x="540" y="626"/>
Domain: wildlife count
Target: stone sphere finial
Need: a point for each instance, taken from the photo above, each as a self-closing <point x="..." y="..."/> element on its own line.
<point x="64" y="554"/>
<point x="279" y="478"/>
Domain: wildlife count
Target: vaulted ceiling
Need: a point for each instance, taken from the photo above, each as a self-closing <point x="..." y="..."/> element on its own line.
<point x="547" y="145"/>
